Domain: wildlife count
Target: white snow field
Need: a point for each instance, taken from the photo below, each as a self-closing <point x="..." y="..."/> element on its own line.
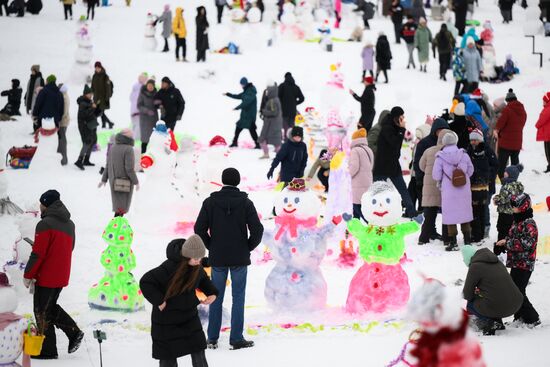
<point x="118" y="36"/>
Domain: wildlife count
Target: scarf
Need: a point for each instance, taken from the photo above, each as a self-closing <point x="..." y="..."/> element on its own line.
<point x="520" y="217"/>
<point x="290" y="223"/>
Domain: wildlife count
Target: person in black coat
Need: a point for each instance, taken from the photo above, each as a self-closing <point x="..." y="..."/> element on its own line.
<point x="292" y="156"/>
<point x="461" y="126"/>
<point x="171" y="103"/>
<point x="35" y="81"/>
<point x="367" y="103"/>
<point x="49" y="103"/>
<point x="224" y="223"/>
<point x="290" y="96"/>
<point x="87" y="116"/>
<point x="202" y="33"/>
<point x="397" y="19"/>
<point x="485" y="165"/>
<point x="34" y="6"/>
<point x="176" y="328"/>
<point x="14" y="99"/>
<point x="383" y="56"/>
<point x="386" y="160"/>
<point x="460" y="8"/>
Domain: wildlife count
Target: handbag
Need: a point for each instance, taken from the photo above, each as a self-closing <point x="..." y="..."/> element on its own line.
<point x="122" y="185"/>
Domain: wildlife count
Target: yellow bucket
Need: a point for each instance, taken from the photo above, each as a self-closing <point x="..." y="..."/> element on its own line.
<point x="32" y="343"/>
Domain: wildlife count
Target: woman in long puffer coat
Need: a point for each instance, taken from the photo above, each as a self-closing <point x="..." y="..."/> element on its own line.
<point x="148" y="115"/>
<point x="383" y="56"/>
<point x="272" y="115"/>
<point x="120" y="172"/>
<point x="422" y="42"/>
<point x="202" y="33"/>
<point x="456" y="201"/>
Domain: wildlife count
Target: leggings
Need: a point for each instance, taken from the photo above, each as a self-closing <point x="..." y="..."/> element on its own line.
<point x="91" y="8"/>
<point x="68" y="9"/>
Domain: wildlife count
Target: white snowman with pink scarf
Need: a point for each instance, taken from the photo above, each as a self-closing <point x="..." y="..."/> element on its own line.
<point x="298" y="246"/>
<point x="12" y="327"/>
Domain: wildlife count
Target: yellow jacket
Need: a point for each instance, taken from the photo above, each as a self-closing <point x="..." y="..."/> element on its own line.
<point x="178" y="24"/>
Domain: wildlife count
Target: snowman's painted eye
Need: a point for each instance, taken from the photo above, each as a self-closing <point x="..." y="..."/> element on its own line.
<point x="373" y="201"/>
<point x="286" y="200"/>
<point x="388" y="200"/>
<point x="296" y="200"/>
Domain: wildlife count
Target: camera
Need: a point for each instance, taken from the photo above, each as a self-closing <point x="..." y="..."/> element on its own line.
<point x="100" y="335"/>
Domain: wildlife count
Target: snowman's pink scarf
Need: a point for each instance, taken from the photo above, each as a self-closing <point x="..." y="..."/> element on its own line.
<point x="7" y="318"/>
<point x="290" y="223"/>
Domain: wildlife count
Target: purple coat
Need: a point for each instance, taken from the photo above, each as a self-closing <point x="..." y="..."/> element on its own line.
<point x="368" y="56"/>
<point x="456" y="202"/>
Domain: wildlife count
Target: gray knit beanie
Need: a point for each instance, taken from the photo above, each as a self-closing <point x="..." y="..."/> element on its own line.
<point x="193" y="248"/>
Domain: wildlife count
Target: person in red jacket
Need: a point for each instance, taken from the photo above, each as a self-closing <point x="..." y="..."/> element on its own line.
<point x="543" y="128"/>
<point x="509" y="132"/>
<point x="49" y="268"/>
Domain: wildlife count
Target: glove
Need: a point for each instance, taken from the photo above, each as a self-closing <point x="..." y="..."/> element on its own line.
<point x="270" y="174"/>
<point x="27" y="282"/>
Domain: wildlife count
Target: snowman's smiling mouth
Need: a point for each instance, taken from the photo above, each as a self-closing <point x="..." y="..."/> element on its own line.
<point x="289" y="211"/>
<point x="380" y="214"/>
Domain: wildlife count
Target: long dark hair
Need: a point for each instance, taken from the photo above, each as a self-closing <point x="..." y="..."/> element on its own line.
<point x="184" y="279"/>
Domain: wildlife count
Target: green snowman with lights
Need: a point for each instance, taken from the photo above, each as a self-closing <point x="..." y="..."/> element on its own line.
<point x="117" y="290"/>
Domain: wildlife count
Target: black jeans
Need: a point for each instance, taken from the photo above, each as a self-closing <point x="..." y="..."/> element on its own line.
<point x="68" y="9"/>
<point x="201" y="54"/>
<point x="460" y="86"/>
<point x="397" y="30"/>
<point x="220" y="12"/>
<point x="385" y="74"/>
<point x="166" y="48"/>
<point x="253" y="134"/>
<point x="49" y="315"/>
<point x="503" y="156"/>
<point x="181" y="43"/>
<point x="444" y="63"/>
<point x="527" y="312"/>
<point x="415" y="192"/>
<point x="197" y="359"/>
<point x="479" y="202"/>
<point x="91" y="9"/>
<point x="105" y="120"/>
<point x="428" y="226"/>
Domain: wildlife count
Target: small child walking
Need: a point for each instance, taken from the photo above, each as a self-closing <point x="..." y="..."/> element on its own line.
<point x="521" y="248"/>
<point x="176" y="328"/>
<point x="510" y="186"/>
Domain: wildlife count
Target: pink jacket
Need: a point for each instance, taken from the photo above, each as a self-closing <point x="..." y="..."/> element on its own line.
<point x="361" y="162"/>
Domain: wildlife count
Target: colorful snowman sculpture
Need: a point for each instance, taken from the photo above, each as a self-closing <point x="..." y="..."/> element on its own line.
<point x="381" y="284"/>
<point x="117" y="290"/>
<point x="298" y="246"/>
<point x="12" y="327"/>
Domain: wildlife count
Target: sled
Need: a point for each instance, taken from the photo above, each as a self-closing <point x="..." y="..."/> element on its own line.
<point x="20" y="157"/>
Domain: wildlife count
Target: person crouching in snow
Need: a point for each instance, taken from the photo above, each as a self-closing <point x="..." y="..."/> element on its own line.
<point x="521" y="248"/>
<point x="176" y="328"/>
<point x="14" y="99"/>
<point x="88" y="112"/>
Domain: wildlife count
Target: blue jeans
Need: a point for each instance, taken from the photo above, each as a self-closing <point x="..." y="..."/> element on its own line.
<point x="400" y="185"/>
<point x="238" y="287"/>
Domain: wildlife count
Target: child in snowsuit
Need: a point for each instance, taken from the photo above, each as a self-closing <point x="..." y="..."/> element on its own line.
<point x="176" y="328"/>
<point x="510" y="186"/>
<point x="14" y="99"/>
<point x="521" y="248"/>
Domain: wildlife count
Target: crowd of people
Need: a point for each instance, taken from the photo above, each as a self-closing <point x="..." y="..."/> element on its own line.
<point x="459" y="159"/>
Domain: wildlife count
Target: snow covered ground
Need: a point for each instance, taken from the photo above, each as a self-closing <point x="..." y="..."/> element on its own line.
<point x="117" y="35"/>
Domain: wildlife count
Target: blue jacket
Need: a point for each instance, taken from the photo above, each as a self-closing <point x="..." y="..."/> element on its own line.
<point x="293" y="159"/>
<point x="474" y="110"/>
<point x="49" y="103"/>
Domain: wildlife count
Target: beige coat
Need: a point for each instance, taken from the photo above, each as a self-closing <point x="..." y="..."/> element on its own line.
<point x="431" y="195"/>
<point x="66" y="117"/>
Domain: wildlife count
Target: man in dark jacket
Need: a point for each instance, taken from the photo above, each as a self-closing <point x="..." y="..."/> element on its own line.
<point x="290" y="96"/>
<point x="249" y="109"/>
<point x="87" y="126"/>
<point x="485" y="164"/>
<point x="102" y="87"/>
<point x="49" y="104"/>
<point x="460" y="8"/>
<point x="386" y="160"/>
<point x="397" y="19"/>
<point x="292" y="156"/>
<point x="224" y="223"/>
<point x="489" y="289"/>
<point x="14" y="99"/>
<point x="407" y="33"/>
<point x="444" y="42"/>
<point x="49" y="269"/>
<point x="429" y="141"/>
<point x="367" y="100"/>
<point x="171" y="103"/>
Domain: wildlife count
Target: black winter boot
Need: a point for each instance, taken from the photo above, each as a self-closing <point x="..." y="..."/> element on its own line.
<point x="80" y="163"/>
<point x="452" y="246"/>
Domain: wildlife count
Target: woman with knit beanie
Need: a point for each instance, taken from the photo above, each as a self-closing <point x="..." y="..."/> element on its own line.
<point x="176" y="328"/>
<point x="361" y="162"/>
